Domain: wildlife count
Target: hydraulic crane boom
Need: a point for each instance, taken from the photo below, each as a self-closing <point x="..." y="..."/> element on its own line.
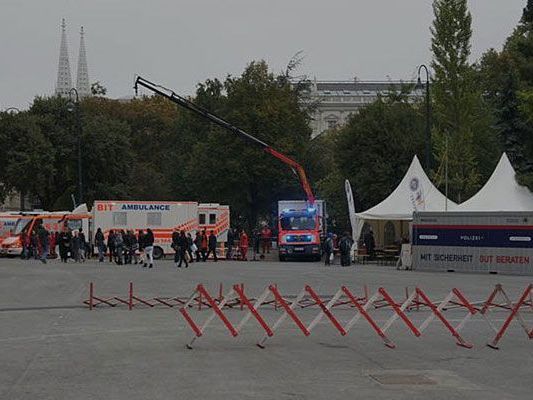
<point x="189" y="105"/>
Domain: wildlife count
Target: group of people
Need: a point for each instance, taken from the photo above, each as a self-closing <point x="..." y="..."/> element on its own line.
<point x="41" y="244"/>
<point x="126" y="247"/>
<point x="344" y="244"/>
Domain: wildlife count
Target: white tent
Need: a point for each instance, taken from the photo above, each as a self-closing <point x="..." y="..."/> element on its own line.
<point x="501" y="192"/>
<point x="414" y="193"/>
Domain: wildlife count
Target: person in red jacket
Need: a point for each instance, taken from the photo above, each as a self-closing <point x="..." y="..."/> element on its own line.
<point x="266" y="239"/>
<point x="243" y="245"/>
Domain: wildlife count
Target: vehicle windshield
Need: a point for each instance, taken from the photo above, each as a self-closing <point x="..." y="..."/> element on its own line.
<point x="21" y="225"/>
<point x="297" y="223"/>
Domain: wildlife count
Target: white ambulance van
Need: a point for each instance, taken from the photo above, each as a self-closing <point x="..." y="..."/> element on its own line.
<point x="162" y="217"/>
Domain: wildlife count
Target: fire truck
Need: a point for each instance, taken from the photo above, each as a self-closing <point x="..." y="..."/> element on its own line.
<point x="295" y="239"/>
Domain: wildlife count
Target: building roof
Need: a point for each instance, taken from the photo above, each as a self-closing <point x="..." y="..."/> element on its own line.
<point x="358" y="86"/>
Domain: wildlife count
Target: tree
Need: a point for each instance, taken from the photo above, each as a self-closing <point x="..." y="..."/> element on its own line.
<point x="28" y="158"/>
<point x="462" y="120"/>
<point x="373" y="150"/>
<point x="97" y="89"/>
<point x="219" y="166"/>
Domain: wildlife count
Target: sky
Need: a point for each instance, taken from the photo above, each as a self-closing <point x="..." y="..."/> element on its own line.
<point x="179" y="43"/>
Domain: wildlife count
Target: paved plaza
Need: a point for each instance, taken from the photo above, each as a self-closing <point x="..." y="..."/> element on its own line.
<point x="52" y="347"/>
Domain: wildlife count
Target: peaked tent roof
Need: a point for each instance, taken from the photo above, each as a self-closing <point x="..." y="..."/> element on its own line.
<point x="501" y="192"/>
<point x="414" y="193"/>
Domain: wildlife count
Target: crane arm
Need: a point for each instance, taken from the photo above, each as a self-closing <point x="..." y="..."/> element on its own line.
<point x="189" y="105"/>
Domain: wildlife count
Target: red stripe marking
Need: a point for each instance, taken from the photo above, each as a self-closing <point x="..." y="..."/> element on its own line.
<point x="489" y="227"/>
<point x="216" y="309"/>
<point x="253" y="310"/>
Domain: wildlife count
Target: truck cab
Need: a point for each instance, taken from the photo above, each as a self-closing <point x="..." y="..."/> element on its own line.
<point x="299" y="234"/>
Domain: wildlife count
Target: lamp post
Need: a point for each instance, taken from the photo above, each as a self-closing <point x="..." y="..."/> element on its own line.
<point x="75" y="106"/>
<point x="419" y="85"/>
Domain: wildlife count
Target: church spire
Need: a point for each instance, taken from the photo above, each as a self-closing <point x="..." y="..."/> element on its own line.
<point x="64" y="80"/>
<point x="82" y="81"/>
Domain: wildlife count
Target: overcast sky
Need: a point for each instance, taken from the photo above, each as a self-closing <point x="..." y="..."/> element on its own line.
<point x="179" y="43"/>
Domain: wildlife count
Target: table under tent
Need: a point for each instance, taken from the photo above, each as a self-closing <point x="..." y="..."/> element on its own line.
<point x="390" y="219"/>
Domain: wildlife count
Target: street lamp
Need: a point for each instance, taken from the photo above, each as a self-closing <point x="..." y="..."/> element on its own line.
<point x="419" y="86"/>
<point x="75" y="106"/>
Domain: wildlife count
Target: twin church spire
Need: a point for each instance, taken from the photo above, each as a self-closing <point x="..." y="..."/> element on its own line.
<point x="64" y="77"/>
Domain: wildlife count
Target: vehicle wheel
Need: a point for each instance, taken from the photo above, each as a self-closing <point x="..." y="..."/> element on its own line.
<point x="317" y="258"/>
<point x="158" y="253"/>
<point x="282" y="258"/>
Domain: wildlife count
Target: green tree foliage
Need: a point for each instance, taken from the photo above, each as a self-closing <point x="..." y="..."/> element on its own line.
<point x="373" y="151"/>
<point x="461" y="117"/>
<point x="218" y="166"/>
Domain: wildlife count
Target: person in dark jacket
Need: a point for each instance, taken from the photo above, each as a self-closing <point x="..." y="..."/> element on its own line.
<point x="182" y="246"/>
<point x="230" y="243"/>
<point x="134" y="246"/>
<point x="370" y="244"/>
<point x="189" y="247"/>
<point x="211" y="246"/>
<point x="111" y="244"/>
<point x="198" y="243"/>
<point x="127" y="247"/>
<point x="99" y="241"/>
<point x="149" y="248"/>
<point x="140" y="241"/>
<point x="44" y="237"/>
<point x="176" y="247"/>
<point x="65" y="238"/>
<point x="75" y="247"/>
<point x="119" y="247"/>
<point x="345" y="247"/>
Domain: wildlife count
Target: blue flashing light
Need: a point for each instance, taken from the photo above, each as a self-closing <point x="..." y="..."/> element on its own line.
<point x="311" y="210"/>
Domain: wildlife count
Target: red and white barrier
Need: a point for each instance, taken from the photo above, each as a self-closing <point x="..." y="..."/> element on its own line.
<point x="364" y="308"/>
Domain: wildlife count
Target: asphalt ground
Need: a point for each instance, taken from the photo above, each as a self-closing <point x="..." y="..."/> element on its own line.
<point x="53" y="347"/>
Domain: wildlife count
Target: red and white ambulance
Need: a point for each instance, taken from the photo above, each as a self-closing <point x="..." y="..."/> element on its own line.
<point x="8" y="220"/>
<point x="162" y="217"/>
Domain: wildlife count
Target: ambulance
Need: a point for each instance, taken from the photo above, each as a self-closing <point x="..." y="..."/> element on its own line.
<point x="162" y="217"/>
<point x="8" y="221"/>
<point x="53" y="221"/>
<point x="214" y="217"/>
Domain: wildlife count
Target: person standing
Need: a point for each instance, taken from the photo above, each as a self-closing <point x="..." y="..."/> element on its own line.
<point x="25" y="247"/>
<point x="176" y="247"/>
<point x="243" y="245"/>
<point x="75" y="247"/>
<point x="140" y="242"/>
<point x="119" y="247"/>
<point x="345" y="246"/>
<point x="44" y="237"/>
<point x="182" y="246"/>
<point x="198" y="244"/>
<point x="190" y="246"/>
<point x="149" y="248"/>
<point x="328" y="249"/>
<point x="230" y="243"/>
<point x="212" y="246"/>
<point x="134" y="246"/>
<point x="34" y="245"/>
<point x="65" y="239"/>
<point x="99" y="241"/>
<point x="111" y="244"/>
<point x="370" y="244"/>
<point x="83" y="245"/>
<point x="266" y="239"/>
<point x="203" y="249"/>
